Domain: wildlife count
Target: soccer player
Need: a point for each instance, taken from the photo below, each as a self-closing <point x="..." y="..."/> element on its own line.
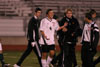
<point x="90" y="38"/>
<point x="48" y="27"/>
<point x="70" y="38"/>
<point x="2" y="58"/>
<point x="33" y="38"/>
<point x="93" y="14"/>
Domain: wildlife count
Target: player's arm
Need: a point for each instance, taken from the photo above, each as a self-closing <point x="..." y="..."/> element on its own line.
<point x="42" y="28"/>
<point x="30" y="30"/>
<point x="63" y="28"/>
<point x="77" y="29"/>
<point x="43" y="34"/>
<point x="96" y="38"/>
<point x="65" y="24"/>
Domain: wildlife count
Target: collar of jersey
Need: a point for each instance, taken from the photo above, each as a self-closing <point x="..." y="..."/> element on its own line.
<point x="49" y="19"/>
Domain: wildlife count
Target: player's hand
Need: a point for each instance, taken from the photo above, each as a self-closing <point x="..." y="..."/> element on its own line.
<point x="33" y="44"/>
<point x="46" y="38"/>
<point x="64" y="29"/>
<point x="72" y="34"/>
<point x="65" y="24"/>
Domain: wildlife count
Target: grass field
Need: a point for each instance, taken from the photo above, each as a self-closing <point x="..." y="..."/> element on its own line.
<point x="31" y="61"/>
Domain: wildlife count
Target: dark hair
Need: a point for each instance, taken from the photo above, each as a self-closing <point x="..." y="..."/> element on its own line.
<point x="48" y="11"/>
<point x="88" y="15"/>
<point x="92" y="11"/>
<point x="37" y="9"/>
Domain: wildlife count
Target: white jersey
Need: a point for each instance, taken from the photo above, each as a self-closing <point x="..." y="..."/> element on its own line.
<point x="48" y="27"/>
<point x="87" y="31"/>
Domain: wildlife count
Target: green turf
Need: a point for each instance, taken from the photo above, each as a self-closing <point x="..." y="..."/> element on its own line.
<point x="31" y="61"/>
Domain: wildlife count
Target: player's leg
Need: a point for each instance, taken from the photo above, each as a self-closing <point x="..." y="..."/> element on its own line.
<point x="2" y="58"/>
<point x="74" y="55"/>
<point x="97" y="61"/>
<point x="86" y="55"/>
<point x="60" y="58"/>
<point x="52" y="53"/>
<point x="57" y="59"/>
<point x="44" y="55"/>
<point x="24" y="55"/>
<point x="67" y="55"/>
<point x="37" y="51"/>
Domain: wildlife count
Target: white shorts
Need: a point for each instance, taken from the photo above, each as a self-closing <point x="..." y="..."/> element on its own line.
<point x="0" y="46"/>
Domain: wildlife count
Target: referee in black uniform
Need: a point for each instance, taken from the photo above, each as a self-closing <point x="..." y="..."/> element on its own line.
<point x="90" y="38"/>
<point x="33" y="38"/>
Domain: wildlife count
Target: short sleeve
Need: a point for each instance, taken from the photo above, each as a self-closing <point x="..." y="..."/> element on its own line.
<point x="42" y="25"/>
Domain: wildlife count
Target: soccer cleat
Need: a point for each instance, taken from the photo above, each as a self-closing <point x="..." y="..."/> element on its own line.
<point x="15" y="65"/>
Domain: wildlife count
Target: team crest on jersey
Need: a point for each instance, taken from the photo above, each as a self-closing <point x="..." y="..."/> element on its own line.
<point x="73" y="23"/>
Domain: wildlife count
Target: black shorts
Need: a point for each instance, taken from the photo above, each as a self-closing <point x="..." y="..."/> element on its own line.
<point x="47" y="48"/>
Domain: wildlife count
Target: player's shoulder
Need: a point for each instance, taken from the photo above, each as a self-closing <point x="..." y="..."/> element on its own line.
<point x="43" y="20"/>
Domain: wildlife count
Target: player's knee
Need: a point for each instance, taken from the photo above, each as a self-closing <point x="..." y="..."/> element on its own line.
<point x="52" y="52"/>
<point x="44" y="55"/>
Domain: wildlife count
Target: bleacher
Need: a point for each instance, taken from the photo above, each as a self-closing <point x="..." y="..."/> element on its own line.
<point x="11" y="27"/>
<point x="25" y="8"/>
<point x="14" y="8"/>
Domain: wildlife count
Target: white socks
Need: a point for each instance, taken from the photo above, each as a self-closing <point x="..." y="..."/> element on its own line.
<point x="49" y="59"/>
<point x="45" y="63"/>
